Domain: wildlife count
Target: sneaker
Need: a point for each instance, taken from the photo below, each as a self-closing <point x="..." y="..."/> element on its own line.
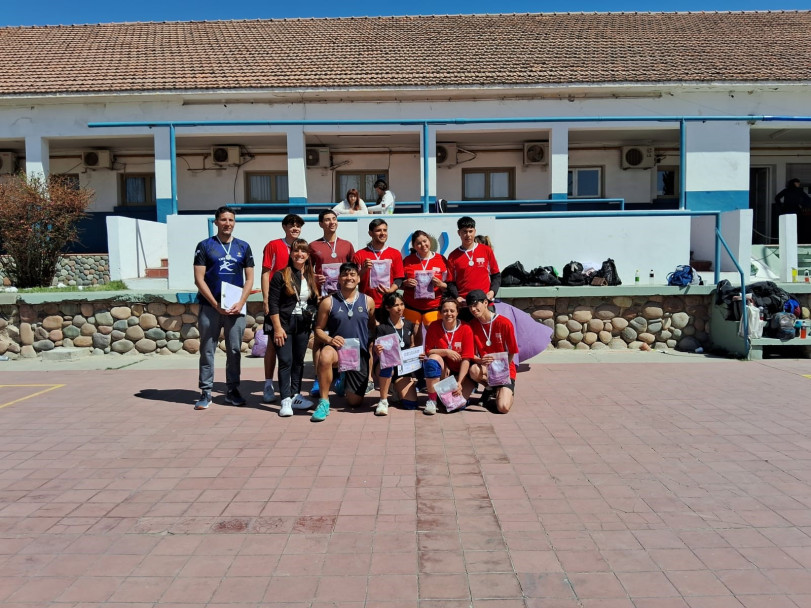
<point x="315" y="389"/>
<point x="430" y="408"/>
<point x="300" y="403"/>
<point x="370" y="387"/>
<point x="321" y="412"/>
<point x="234" y="398"/>
<point x="488" y="394"/>
<point x="338" y="387"/>
<point x="204" y="401"/>
<point x="287" y="408"/>
<point x="382" y="408"/>
<point x="269" y="395"/>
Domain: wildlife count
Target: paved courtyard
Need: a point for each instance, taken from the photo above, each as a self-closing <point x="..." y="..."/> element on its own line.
<point x="652" y="482"/>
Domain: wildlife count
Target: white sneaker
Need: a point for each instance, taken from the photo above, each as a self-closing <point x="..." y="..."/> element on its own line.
<point x="382" y="408"/>
<point x="269" y="395"/>
<point x="430" y="408"/>
<point x="286" y="410"/>
<point x="300" y="403"/>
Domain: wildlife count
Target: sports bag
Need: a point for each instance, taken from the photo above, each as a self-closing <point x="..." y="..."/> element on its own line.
<point x="514" y="275"/>
<point x="684" y="275"/>
<point x="573" y="274"/>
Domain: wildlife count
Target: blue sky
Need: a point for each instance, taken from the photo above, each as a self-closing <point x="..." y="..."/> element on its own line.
<point x="51" y="12"/>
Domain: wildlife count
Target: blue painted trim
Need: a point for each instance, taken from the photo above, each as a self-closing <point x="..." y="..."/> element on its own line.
<point x="297" y="204"/>
<point x="164" y="208"/>
<point x="720" y="200"/>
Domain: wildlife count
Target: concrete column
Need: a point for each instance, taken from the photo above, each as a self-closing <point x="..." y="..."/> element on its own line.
<point x="37" y="156"/>
<point x="428" y="144"/>
<point x="559" y="162"/>
<point x="165" y="197"/>
<point x="788" y="246"/>
<point x="297" y="169"/>
<point x="717" y="166"/>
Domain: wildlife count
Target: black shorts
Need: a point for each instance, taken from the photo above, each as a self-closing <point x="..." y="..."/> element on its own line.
<point x="510" y="386"/>
<point x="356" y="381"/>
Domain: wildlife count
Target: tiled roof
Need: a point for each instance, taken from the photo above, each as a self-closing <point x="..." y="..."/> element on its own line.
<point x="397" y="52"/>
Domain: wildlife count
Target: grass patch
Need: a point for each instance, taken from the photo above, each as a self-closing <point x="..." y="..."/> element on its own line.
<point x="111" y="286"/>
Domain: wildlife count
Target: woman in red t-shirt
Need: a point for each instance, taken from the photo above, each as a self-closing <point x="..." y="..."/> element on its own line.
<point x="425" y="273"/>
<point x="448" y="350"/>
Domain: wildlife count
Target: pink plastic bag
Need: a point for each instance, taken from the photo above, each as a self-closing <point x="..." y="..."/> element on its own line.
<point x="444" y="389"/>
<point x="331" y="272"/>
<point x="380" y="274"/>
<point x="349" y="356"/>
<point x="425" y="287"/>
<point x="498" y="372"/>
<point x="391" y="356"/>
<point x="260" y="343"/>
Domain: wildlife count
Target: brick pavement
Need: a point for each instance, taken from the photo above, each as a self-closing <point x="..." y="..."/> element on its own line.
<point x="619" y="485"/>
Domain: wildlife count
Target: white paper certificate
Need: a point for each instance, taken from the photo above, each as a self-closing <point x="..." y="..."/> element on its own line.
<point x="411" y="360"/>
<point x="230" y="295"/>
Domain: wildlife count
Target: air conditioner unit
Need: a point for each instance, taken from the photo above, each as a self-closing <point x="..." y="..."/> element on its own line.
<point x="225" y="155"/>
<point x="638" y="157"/>
<point x="8" y="163"/>
<point x="445" y="155"/>
<point x="536" y="153"/>
<point x="97" y="159"/>
<point x="318" y="157"/>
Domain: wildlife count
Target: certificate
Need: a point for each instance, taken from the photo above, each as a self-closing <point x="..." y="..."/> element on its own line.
<point x="230" y="295"/>
<point x="411" y="360"/>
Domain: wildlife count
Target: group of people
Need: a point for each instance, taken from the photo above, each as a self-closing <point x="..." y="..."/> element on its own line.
<point x="360" y="306"/>
<point x="353" y="204"/>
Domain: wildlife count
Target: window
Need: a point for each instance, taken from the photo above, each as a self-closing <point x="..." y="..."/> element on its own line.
<point x="585" y="182"/>
<point x="363" y="182"/>
<point x="266" y="188"/>
<point x="71" y="179"/>
<point x="667" y="182"/>
<point x="137" y="190"/>
<point x="488" y="184"/>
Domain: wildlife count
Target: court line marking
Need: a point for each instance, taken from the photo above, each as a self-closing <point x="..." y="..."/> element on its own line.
<point x="47" y="390"/>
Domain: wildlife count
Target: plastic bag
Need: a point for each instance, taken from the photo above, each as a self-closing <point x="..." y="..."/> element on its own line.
<point x="260" y="343"/>
<point x="425" y="287"/>
<point x="331" y="272"/>
<point x="755" y="325"/>
<point x="444" y="389"/>
<point x="391" y="356"/>
<point x="498" y="372"/>
<point x="349" y="356"/>
<point x="380" y="274"/>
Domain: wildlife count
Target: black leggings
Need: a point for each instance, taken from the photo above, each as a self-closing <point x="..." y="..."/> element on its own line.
<point x="291" y="357"/>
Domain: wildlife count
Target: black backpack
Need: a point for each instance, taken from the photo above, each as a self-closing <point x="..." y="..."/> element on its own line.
<point x="543" y="276"/>
<point x="608" y="271"/>
<point x="573" y="274"/>
<point x="514" y="275"/>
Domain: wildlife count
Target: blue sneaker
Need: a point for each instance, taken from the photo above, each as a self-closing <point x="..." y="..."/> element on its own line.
<point x="338" y="387"/>
<point x="315" y="389"/>
<point x="234" y="398"/>
<point x="204" y="401"/>
<point x="321" y="412"/>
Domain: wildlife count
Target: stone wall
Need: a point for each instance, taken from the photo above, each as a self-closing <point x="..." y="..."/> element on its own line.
<point x="624" y="322"/>
<point x="103" y="327"/>
<point x="73" y="269"/>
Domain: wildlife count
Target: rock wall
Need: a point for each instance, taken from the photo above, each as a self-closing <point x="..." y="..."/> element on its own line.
<point x="74" y="269"/>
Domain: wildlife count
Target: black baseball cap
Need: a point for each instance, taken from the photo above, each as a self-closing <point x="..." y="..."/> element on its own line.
<point x="477" y="295"/>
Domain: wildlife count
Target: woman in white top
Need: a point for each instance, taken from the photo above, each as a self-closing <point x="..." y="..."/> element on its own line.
<point x="353" y="204"/>
<point x="385" y="198"/>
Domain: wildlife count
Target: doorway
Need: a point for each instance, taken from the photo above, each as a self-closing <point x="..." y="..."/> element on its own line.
<point x="764" y="222"/>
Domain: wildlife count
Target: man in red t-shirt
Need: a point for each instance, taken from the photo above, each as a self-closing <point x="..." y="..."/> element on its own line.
<point x="275" y="257"/>
<point x="377" y="260"/>
<point x="471" y="266"/>
<point x="492" y="334"/>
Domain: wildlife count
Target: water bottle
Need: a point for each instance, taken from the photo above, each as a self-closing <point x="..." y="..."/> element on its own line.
<point x="798" y="326"/>
<point x="806" y="277"/>
<point x="650" y="277"/>
<point x="636" y="277"/>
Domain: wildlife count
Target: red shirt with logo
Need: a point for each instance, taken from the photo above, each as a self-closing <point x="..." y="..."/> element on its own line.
<point x="502" y="338"/>
<point x="275" y="255"/>
<point x="460" y="341"/>
<point x="477" y="276"/>
<point x="387" y="253"/>
<point x="439" y="265"/>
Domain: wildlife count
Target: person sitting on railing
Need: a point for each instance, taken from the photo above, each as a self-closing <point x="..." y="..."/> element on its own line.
<point x="385" y="199"/>
<point x="353" y="204"/>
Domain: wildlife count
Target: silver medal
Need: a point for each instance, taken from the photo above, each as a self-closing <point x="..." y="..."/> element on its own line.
<point x="488" y="343"/>
<point x="470" y="263"/>
<point x="349" y="313"/>
<point x="402" y="344"/>
<point x="334" y="255"/>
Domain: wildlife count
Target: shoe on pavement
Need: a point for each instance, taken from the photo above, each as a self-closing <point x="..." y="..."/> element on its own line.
<point x="204" y="401"/>
<point x="287" y="409"/>
<point x="234" y="398"/>
<point x="382" y="408"/>
<point x="315" y="389"/>
<point x="300" y="403"/>
<point x="269" y="395"/>
<point x="338" y="387"/>
<point x="430" y="408"/>
<point x="321" y="412"/>
<point x="370" y="387"/>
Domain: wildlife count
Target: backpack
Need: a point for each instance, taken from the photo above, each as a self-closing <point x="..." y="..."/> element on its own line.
<point x="441" y="205"/>
<point x="781" y="326"/>
<point x="793" y="307"/>
<point x="543" y="276"/>
<point x="684" y="275"/>
<point x="514" y="275"/>
<point x="608" y="271"/>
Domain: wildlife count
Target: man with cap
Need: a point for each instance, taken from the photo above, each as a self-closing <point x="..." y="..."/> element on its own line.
<point x="492" y="333"/>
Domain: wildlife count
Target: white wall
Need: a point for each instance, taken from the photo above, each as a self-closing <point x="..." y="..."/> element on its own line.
<point x="135" y="245"/>
<point x="736" y="228"/>
<point x="633" y="242"/>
